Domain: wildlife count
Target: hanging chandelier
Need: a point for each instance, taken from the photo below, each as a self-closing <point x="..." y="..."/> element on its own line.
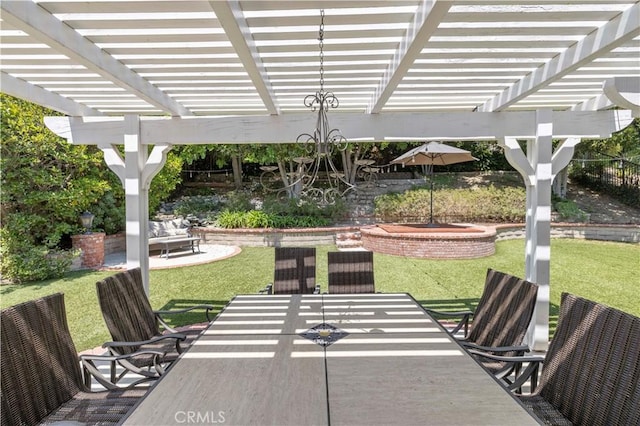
<point x="318" y="177"/>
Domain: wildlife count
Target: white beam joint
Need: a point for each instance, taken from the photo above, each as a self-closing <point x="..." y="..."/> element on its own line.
<point x="154" y="164"/>
<point x="114" y="161"/>
<point x="624" y="92"/>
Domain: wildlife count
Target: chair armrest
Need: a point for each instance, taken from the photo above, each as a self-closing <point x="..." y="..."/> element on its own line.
<point x="90" y="369"/>
<point x="521" y="359"/>
<point x="529" y="373"/>
<point x="519" y="349"/>
<point x="172" y="330"/>
<point x="178" y="336"/>
<point x="449" y="314"/>
<point x="267" y="290"/>
<point x="464" y="322"/>
<point x="191" y="308"/>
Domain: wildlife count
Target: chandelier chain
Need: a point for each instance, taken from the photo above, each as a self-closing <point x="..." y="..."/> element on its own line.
<point x="321" y="39"/>
<point x="316" y="177"/>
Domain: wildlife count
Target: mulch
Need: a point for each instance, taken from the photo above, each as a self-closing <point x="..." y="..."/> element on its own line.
<point x="426" y="228"/>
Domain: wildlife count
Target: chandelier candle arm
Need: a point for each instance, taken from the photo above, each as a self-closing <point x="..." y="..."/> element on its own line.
<point x="323" y="142"/>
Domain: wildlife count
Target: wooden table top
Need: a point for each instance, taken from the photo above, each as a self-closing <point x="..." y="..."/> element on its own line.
<point x="265" y="360"/>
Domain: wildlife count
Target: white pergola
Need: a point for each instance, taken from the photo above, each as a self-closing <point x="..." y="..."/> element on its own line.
<point x="162" y="73"/>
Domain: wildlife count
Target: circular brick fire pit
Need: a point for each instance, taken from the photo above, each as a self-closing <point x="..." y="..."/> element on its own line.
<point x="445" y="241"/>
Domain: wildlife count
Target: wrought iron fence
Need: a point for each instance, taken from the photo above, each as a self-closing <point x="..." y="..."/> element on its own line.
<point x="617" y="176"/>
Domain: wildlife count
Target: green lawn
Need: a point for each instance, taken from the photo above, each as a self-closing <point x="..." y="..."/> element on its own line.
<point x="602" y="271"/>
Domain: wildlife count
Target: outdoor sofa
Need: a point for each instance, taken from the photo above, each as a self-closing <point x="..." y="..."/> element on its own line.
<point x="171" y="234"/>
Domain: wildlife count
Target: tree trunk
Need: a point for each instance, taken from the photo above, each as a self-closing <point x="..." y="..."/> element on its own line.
<point x="236" y="164"/>
<point x="348" y="162"/>
<point x="282" y="169"/>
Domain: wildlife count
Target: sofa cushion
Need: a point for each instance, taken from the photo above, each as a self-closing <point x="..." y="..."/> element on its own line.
<point x="168" y="228"/>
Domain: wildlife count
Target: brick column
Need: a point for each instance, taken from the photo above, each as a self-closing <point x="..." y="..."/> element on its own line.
<point x="92" y="246"/>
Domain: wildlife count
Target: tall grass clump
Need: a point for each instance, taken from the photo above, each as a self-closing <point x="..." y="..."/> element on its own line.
<point x="487" y="204"/>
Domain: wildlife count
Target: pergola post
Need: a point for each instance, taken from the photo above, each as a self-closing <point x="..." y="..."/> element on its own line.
<point x="538" y="168"/>
<point x="136" y="199"/>
<point x="139" y="169"/>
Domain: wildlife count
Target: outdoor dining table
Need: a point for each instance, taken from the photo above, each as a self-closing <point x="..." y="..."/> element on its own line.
<point x="326" y="360"/>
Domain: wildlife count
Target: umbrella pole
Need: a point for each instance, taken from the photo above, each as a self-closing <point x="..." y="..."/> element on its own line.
<point x="431" y="191"/>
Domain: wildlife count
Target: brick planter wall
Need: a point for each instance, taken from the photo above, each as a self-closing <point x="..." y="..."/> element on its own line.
<point x="92" y="247"/>
<point x="430" y="245"/>
<point x="603" y="232"/>
<point x="115" y="243"/>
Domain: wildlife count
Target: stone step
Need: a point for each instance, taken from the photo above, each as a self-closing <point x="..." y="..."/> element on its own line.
<point x="348" y="240"/>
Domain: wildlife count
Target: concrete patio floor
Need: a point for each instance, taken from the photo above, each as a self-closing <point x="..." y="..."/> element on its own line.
<point x="208" y="253"/>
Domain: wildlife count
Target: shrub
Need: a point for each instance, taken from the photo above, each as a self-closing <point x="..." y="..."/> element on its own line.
<point x="21" y="261"/>
<point x="260" y="219"/>
<point x="109" y="214"/>
<point x="569" y="211"/>
<point x="305" y="208"/>
<point x="230" y="220"/>
<point x="257" y="219"/>
<point x="488" y="204"/>
<point x="196" y="205"/>
<point x="238" y="201"/>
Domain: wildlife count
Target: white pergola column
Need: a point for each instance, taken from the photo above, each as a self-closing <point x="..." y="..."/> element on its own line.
<point x="136" y="199"/>
<point x="136" y="171"/>
<point x="538" y="168"/>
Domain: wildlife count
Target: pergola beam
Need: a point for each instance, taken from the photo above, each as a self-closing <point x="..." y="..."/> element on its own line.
<point x="232" y="20"/>
<point x="624" y="92"/>
<point x="377" y="127"/>
<point x="597" y="103"/>
<point x="23" y="90"/>
<point x="40" y="24"/>
<point x="615" y="33"/>
<point x="426" y="20"/>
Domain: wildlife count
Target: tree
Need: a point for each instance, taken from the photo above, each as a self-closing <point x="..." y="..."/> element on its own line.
<point x="625" y="143"/>
<point x="46" y="184"/>
<point x="46" y="181"/>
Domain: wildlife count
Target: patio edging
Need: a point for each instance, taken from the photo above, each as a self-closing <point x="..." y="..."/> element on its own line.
<point x="627" y="233"/>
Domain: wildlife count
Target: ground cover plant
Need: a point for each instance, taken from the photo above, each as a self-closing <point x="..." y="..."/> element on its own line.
<point x="602" y="271"/>
<point x="487" y="204"/>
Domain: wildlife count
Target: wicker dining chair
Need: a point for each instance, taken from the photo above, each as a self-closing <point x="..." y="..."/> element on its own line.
<point x="294" y="271"/>
<point x="134" y="325"/>
<point x="41" y="376"/>
<point x="350" y="272"/>
<point x="591" y="372"/>
<point x="500" y="320"/>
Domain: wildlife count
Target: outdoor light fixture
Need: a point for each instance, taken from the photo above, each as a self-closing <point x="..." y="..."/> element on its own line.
<point x="321" y="144"/>
<point x="86" y="219"/>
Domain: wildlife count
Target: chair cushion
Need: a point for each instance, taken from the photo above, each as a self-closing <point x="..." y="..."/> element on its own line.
<point x="126" y="308"/>
<point x="94" y="409"/>
<point x="39" y="364"/>
<point x="544" y="410"/>
<point x="350" y="272"/>
<point x="295" y="270"/>
<point x="168" y="228"/>
<point x="591" y="372"/>
<point x="504" y="311"/>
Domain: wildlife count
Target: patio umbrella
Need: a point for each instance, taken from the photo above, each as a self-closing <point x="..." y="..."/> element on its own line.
<point x="433" y="154"/>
